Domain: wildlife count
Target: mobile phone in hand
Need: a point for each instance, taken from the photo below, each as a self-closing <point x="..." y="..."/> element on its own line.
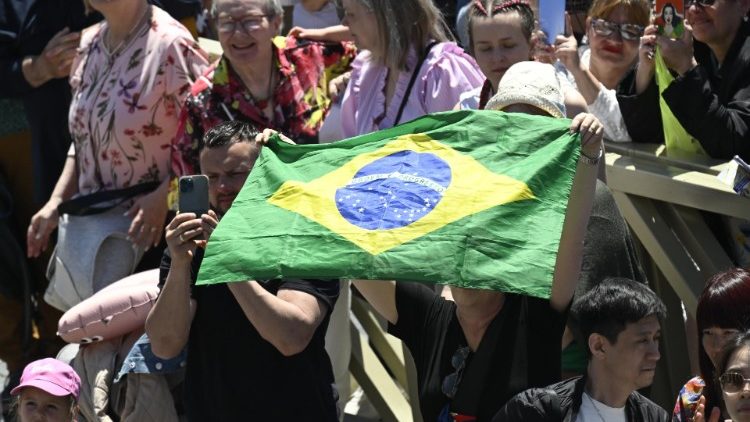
<point x="552" y="19"/>
<point x="670" y="18"/>
<point x="193" y="195"/>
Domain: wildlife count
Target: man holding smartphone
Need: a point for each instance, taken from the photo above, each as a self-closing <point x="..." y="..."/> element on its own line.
<point x="255" y="349"/>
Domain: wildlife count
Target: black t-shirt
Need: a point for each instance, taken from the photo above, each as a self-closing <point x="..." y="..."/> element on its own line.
<point x="233" y="374"/>
<point x="527" y="353"/>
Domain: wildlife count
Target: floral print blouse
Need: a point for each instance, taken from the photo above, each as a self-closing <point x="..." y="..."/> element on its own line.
<point x="126" y="105"/>
<point x="300" y="99"/>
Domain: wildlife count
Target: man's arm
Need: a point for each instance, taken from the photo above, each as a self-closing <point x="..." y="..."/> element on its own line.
<point x="287" y="320"/>
<point x="168" y="323"/>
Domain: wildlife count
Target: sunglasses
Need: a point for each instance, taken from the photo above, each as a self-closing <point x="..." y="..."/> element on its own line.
<point x="458" y="361"/>
<point x="628" y="31"/>
<point x="701" y="3"/>
<point x="733" y="382"/>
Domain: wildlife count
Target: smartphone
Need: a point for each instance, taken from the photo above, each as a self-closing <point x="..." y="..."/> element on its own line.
<point x="670" y="19"/>
<point x="193" y="194"/>
<point x="552" y="19"/>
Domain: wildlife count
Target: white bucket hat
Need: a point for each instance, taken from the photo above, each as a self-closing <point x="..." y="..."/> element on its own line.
<point x="531" y="83"/>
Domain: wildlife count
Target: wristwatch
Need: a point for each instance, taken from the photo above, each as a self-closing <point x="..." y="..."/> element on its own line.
<point x="592" y="161"/>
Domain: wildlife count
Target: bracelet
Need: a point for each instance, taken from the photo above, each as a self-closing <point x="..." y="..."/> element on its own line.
<point x="592" y="161"/>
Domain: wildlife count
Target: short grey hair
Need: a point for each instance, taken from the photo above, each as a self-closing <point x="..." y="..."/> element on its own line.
<point x="272" y="8"/>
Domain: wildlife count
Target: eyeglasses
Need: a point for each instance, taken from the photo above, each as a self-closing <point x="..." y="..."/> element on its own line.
<point x="733" y="382"/>
<point x="248" y="23"/>
<point x="628" y="31"/>
<point x="701" y="3"/>
<point x="458" y="361"/>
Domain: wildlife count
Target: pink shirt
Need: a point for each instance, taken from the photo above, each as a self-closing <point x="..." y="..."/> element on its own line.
<point x="126" y="106"/>
<point x="446" y="73"/>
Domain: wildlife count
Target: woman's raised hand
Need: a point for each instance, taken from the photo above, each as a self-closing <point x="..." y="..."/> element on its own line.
<point x="591" y="131"/>
<point x="700" y="412"/>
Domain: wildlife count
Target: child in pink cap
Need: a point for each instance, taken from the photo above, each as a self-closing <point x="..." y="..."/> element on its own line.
<point x="48" y="392"/>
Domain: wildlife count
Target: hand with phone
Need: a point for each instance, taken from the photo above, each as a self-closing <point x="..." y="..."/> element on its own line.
<point x="186" y="232"/>
<point x="552" y="19"/>
<point x="193" y="194"/>
<point x="678" y="53"/>
<point x="193" y="198"/>
<point x="194" y="223"/>
<point x="566" y="49"/>
<point x="669" y="19"/>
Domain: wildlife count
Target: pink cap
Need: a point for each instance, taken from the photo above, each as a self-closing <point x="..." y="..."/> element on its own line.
<point x="50" y="375"/>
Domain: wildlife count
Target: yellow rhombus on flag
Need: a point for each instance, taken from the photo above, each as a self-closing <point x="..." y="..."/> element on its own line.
<point x="472" y="186"/>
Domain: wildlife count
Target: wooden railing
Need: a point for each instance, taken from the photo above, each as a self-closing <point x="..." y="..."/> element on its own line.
<point x="664" y="200"/>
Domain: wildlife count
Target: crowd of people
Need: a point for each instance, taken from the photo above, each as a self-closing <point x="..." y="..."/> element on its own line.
<point x="121" y="100"/>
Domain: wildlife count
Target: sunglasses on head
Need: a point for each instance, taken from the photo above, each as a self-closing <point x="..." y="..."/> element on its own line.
<point x="702" y="3"/>
<point x="628" y="31"/>
<point x="733" y="382"/>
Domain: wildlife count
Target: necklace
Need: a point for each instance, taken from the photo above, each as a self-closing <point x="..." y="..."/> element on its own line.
<point x="262" y="103"/>
<point x="596" y="408"/>
<point x="132" y="32"/>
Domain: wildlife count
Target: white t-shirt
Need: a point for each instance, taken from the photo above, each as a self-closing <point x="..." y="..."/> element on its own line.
<point x="600" y="413"/>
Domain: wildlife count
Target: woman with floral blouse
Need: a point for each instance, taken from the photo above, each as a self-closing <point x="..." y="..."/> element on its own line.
<point x="269" y="81"/>
<point x="129" y="80"/>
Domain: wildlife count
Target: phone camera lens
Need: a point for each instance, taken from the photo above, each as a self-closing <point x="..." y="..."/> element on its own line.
<point x="186" y="185"/>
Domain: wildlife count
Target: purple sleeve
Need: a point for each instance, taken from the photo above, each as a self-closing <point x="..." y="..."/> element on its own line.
<point x="448" y="75"/>
<point x="349" y="103"/>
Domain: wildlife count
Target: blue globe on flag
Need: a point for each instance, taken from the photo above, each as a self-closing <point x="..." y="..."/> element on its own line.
<point x="394" y="191"/>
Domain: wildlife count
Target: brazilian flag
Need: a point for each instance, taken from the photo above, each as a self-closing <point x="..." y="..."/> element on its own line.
<point x="467" y="198"/>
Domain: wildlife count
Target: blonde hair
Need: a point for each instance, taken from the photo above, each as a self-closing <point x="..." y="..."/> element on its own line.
<point x="639" y="11"/>
<point x="406" y="24"/>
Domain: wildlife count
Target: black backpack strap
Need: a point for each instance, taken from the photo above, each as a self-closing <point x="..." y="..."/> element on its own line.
<point x="413" y="79"/>
<point x="104" y="200"/>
